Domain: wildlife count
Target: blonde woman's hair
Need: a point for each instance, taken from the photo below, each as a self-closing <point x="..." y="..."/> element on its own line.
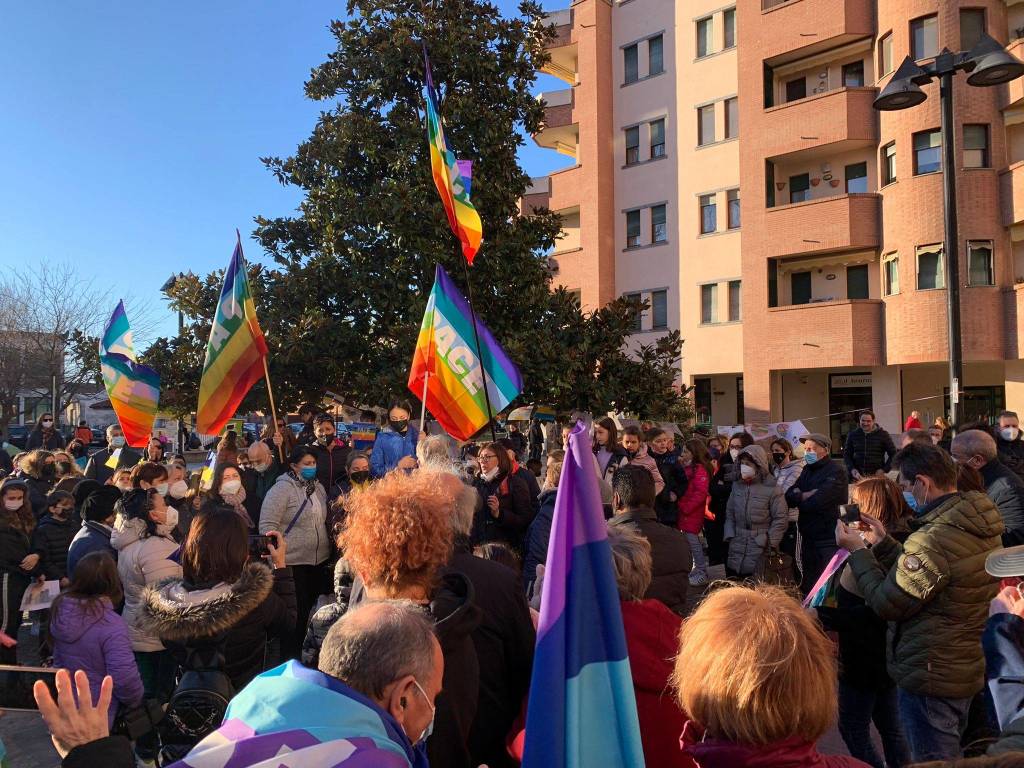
<point x="554" y="468"/>
<point x="779" y="680"/>
<point x="631" y="556"/>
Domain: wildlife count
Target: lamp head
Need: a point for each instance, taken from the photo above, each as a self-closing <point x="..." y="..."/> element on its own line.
<point x="990" y="64"/>
<point x="903" y="89"/>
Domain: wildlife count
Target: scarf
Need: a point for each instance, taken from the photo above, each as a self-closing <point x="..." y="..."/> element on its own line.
<point x="237" y="500"/>
<point x="310" y="485"/>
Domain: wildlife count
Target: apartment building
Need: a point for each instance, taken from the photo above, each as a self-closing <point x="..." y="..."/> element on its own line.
<point x="796" y="231"/>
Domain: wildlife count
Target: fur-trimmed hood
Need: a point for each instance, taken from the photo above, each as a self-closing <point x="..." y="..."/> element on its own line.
<point x="172" y="612"/>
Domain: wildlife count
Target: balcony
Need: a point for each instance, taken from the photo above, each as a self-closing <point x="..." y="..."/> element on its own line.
<point x="833" y="333"/>
<point x="1014" y="308"/>
<point x="844" y="222"/>
<point x="795" y="28"/>
<point x="561" y="48"/>
<point x="560" y="131"/>
<point x="841" y="120"/>
<point x="1011" y="194"/>
<point x="1015" y="88"/>
<point x="557" y="192"/>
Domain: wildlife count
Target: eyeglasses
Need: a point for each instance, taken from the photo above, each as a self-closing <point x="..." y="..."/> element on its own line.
<point x="487" y="457"/>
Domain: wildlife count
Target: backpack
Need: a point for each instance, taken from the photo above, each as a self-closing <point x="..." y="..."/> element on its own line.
<point x="197" y="707"/>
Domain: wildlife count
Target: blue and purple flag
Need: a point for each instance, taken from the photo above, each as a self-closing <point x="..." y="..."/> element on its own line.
<point x="582" y="709"/>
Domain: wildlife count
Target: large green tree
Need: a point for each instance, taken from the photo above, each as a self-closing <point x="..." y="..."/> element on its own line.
<point x="353" y="268"/>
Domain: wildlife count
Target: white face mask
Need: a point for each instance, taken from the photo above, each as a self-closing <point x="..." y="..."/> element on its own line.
<point x="231" y="487"/>
<point x="162" y="488"/>
<point x="735" y="453"/>
<point x="178" y="489"/>
<point x="48" y="423"/>
<point x="124" y="487"/>
<point x="1009" y="433"/>
<point x="490" y="474"/>
<point x="747" y="472"/>
<point x="261" y="468"/>
<point x="12" y="506"/>
<point x="172" y="517"/>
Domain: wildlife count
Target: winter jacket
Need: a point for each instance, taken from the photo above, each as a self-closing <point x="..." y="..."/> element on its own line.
<point x="98" y="470"/>
<point x="38" y="489"/>
<point x="861" y="641"/>
<point x="46" y="439"/>
<point x="868" y="452"/>
<point x="308" y="541"/>
<point x="1011" y="453"/>
<point x="608" y="460"/>
<point x="642" y="459"/>
<point x="671" y="559"/>
<point x="330" y="461"/>
<point x="390" y="447"/>
<point x="791" y="753"/>
<point x="142" y="561"/>
<point x="257" y="485"/>
<point x="517" y="441"/>
<point x="756" y="516"/>
<point x="515" y="511"/>
<point x="504" y="642"/>
<point x="1007" y="492"/>
<point x="91" y="537"/>
<point x="15" y="546"/>
<point x="694" y="500"/>
<point x="324" y="617"/>
<point x="109" y="752"/>
<point x="537" y="535"/>
<point x="534" y="487"/>
<point x="674" y="477"/>
<point x="934" y="593"/>
<point x="236" y="619"/>
<point x="786" y="476"/>
<point x="51" y="540"/>
<point x="652" y="641"/>
<point x="1003" y="644"/>
<point x="721" y="485"/>
<point x="95" y="639"/>
<point x="819" y="512"/>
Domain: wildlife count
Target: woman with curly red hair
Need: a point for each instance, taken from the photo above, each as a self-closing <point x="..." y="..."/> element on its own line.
<point x="397" y="538"/>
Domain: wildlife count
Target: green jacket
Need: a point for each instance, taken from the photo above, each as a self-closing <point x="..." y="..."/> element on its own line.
<point x="934" y="593"/>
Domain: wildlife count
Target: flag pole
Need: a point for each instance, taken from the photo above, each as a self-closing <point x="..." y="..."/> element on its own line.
<point x="273" y="410"/>
<point x="423" y="400"/>
<point x="476" y="338"/>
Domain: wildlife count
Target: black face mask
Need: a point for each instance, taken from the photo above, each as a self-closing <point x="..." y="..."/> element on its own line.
<point x="327" y="439"/>
<point x="359" y="477"/>
<point x="65" y="467"/>
<point x="49" y="470"/>
<point x="399" y="425"/>
<point x="779" y="457"/>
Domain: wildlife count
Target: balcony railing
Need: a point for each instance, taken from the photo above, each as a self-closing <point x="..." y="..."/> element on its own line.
<point x="825" y="225"/>
<point x="841" y="115"/>
<point x="788" y="26"/>
<point x="832" y="333"/>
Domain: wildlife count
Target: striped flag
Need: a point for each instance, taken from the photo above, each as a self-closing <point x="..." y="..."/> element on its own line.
<point x="451" y="176"/>
<point x="133" y="388"/>
<point x="582" y="709"/>
<point x="446" y="350"/>
<point x="236" y="352"/>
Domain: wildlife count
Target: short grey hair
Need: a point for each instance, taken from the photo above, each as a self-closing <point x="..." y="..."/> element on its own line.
<point x="976" y="442"/>
<point x="466" y="504"/>
<point x="631" y="555"/>
<point x="377" y="643"/>
<point x="433" y="450"/>
<point x="111" y="428"/>
<point x="258" y="447"/>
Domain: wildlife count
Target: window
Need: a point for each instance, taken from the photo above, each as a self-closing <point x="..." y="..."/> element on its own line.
<point x="853" y="74"/>
<point x="796" y="89"/>
<point x="972" y="27"/>
<point x="706" y="125"/>
<point x="924" y="37"/>
<point x="659" y="229"/>
<point x="733" y="196"/>
<point x="577" y="297"/>
<point x="709" y="303"/>
<point x="659" y="309"/>
<point x="704" y="32"/>
<point x="975" y="146"/>
<point x="702" y="401"/>
<point x="885" y="54"/>
<point x="740" y="413"/>
<point x="857" y="281"/>
<point x="979" y="263"/>
<point x="732" y="118"/>
<point x="889" y="163"/>
<point x="655" y="55"/>
<point x="632" y="63"/>
<point x="891" y="274"/>
<point x="729" y="22"/>
<point x="632" y="145"/>
<point x="800" y="287"/>
<point x="638" y="323"/>
<point x="856" y="178"/>
<point x="708" y="214"/>
<point x="799" y="188"/>
<point x="734" y="301"/>
<point x="632" y="229"/>
<point x="927" y="152"/>
<point x="657" y="138"/>
<point x="930" y="272"/>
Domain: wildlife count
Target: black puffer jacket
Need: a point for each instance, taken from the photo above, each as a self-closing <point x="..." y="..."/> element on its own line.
<point x="330" y="461"/>
<point x="868" y="452"/>
<point x="674" y="476"/>
<point x="15" y="546"/>
<point x="1007" y="492"/>
<point x="1011" y="453"/>
<point x="819" y="512"/>
<point x="671" y="558"/>
<point x="235" y="619"/>
<point x="51" y="540"/>
<point x="38" y="489"/>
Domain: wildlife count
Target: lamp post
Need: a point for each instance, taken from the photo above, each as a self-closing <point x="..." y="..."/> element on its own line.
<point x="987" y="64"/>
<point x="168" y="286"/>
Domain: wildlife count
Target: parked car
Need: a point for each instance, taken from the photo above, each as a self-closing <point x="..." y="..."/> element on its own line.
<point x="17" y="434"/>
<point x="99" y="436"/>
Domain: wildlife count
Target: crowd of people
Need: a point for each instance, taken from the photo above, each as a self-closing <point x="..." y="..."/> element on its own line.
<point x="385" y="604"/>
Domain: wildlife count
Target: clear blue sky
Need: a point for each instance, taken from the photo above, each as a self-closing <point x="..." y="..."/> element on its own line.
<point x="132" y="131"/>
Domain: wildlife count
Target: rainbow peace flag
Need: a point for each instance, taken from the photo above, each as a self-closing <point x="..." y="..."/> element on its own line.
<point x="582" y="708"/>
<point x="133" y="388"/>
<point x="451" y="176"/>
<point x="446" y="350"/>
<point x="236" y="352"/>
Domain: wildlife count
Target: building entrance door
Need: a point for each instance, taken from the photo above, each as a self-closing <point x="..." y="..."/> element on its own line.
<point x="848" y="395"/>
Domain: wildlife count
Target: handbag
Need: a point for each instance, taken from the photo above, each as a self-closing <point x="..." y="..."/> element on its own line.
<point x="774" y="567"/>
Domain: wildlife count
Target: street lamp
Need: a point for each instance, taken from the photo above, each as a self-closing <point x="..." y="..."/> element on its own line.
<point x="168" y="286"/>
<point x="987" y="64"/>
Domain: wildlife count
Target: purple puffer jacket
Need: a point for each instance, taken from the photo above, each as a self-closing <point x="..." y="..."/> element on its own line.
<point x="97" y="642"/>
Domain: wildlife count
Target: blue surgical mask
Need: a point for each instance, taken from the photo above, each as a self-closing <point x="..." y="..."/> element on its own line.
<point x="308" y="473"/>
<point x="911" y="501"/>
<point x="810" y="457"/>
<point x="117" y="441"/>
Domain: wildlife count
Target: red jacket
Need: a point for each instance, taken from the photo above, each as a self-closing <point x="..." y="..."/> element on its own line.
<point x="912" y="423"/>
<point x="694" y="500"/>
<point x="792" y="753"/>
<point x="652" y="640"/>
